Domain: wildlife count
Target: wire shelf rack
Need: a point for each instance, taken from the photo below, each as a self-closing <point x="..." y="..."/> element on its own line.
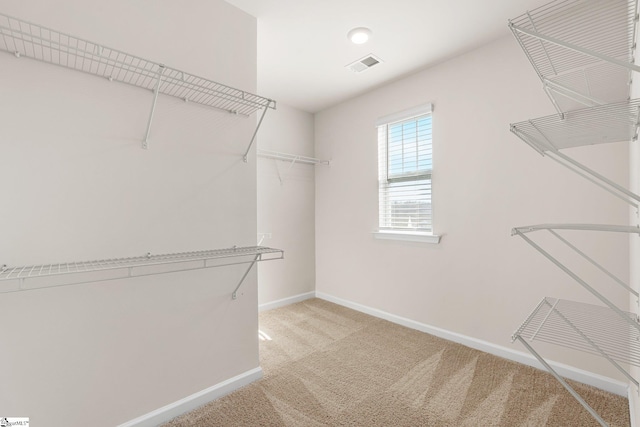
<point x="585" y="327"/>
<point x="25" y="39"/>
<point x="582" y="50"/>
<point x="128" y="267"/>
<point x="293" y="158"/>
<point x="615" y="122"/>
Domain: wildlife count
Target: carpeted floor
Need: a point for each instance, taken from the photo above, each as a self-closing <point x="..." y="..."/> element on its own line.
<point x="326" y="365"/>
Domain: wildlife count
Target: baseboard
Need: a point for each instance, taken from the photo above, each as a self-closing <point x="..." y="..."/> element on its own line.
<point x="189" y="403"/>
<point x="286" y="301"/>
<point x="634" y="401"/>
<point x="604" y="383"/>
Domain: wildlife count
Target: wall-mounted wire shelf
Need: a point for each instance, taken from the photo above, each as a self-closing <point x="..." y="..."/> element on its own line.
<point x="552" y="229"/>
<point x="608" y="123"/>
<point x="582" y="50"/>
<point x="584" y="327"/>
<point x="25" y="39"/>
<point x="293" y="158"/>
<point x="71" y="273"/>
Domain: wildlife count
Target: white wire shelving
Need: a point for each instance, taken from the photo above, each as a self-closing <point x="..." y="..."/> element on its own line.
<point x="71" y="273"/>
<point x="615" y="122"/>
<point x="293" y="158"/>
<point x="25" y="39"/>
<point x="587" y="328"/>
<point x="582" y="50"/>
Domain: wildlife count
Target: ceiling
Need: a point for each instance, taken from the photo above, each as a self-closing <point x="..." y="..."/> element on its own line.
<point x="303" y="47"/>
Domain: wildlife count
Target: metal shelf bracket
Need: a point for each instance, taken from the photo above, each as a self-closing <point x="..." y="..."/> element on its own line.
<point x="253" y="138"/>
<point x="257" y="258"/>
<point x="145" y="143"/>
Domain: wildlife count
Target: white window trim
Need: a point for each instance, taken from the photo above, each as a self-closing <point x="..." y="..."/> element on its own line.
<point x="404" y="115"/>
<point x="408" y="236"/>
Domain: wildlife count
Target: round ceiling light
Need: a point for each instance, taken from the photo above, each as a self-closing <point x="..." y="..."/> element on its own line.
<point x="359" y="35"/>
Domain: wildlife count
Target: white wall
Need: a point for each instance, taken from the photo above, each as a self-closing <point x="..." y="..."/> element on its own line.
<point x="286" y="205"/>
<point x="77" y="186"/>
<point x="479" y="281"/>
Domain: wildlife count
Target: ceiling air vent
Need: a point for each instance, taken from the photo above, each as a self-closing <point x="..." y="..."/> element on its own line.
<point x="364" y="64"/>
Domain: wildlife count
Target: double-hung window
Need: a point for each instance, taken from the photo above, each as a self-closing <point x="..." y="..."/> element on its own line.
<point x="404" y="177"/>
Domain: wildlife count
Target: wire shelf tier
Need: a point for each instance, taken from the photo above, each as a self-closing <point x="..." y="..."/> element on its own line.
<point x="585" y="327"/>
<point x="294" y="158"/>
<point x="582" y="50"/>
<point x="602" y="124"/>
<point x="615" y="122"/>
<point x="125" y="267"/>
<point x="30" y="40"/>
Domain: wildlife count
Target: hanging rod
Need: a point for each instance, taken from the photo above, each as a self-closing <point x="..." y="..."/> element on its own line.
<point x="615" y="122"/>
<point x="584" y="327"/>
<point x="582" y="47"/>
<point x="25" y="39"/>
<point x="294" y="158"/>
<point x="133" y="267"/>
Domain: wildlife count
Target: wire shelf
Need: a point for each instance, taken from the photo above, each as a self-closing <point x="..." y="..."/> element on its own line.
<point x="30" y="40"/>
<point x="585" y="327"/>
<point x="615" y="122"/>
<point x="602" y="124"/>
<point x="582" y="50"/>
<point x="125" y="267"/>
<point x="293" y="158"/>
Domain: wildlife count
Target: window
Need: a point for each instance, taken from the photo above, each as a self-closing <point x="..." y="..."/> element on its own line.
<point x="404" y="177"/>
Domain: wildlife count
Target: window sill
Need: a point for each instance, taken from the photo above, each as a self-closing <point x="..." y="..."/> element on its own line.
<point x="408" y="236"/>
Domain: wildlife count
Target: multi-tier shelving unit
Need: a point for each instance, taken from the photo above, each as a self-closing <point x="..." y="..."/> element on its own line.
<point x="28" y="40"/>
<point x="583" y="52"/>
<point x="25" y="39"/>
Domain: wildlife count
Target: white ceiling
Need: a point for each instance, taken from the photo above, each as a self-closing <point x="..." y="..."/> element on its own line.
<point x="303" y="46"/>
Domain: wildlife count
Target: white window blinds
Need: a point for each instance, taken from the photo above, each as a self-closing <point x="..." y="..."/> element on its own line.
<point x="405" y="165"/>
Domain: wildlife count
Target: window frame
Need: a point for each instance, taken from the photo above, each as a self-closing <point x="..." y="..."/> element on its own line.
<point x="399" y="234"/>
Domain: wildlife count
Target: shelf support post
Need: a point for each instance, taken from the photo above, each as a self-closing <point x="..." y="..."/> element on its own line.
<point x="594" y="263"/>
<point x="561" y="380"/>
<point x="598" y="176"/>
<point x="234" y="295"/>
<point x="145" y="143"/>
<point x="246" y="153"/>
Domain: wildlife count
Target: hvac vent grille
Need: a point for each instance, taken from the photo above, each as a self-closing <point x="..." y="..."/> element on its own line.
<point x="364" y="64"/>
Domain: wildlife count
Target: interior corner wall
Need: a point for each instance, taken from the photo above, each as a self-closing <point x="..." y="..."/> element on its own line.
<point x="634" y="243"/>
<point x="479" y="281"/>
<point x="286" y="205"/>
<point x="78" y="186"/>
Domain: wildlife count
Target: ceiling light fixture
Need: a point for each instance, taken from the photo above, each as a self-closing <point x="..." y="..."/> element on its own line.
<point x="359" y="35"/>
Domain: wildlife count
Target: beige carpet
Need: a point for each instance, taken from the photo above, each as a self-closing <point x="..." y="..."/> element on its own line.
<point x="326" y="365"/>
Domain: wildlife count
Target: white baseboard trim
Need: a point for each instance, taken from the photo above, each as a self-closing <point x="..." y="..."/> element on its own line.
<point x="634" y="401"/>
<point x="286" y="301"/>
<point x="604" y="383"/>
<point x="189" y="403"/>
